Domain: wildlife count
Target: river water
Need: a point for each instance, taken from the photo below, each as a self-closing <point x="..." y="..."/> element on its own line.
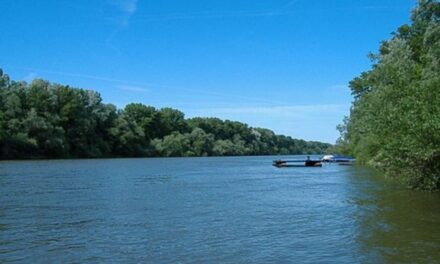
<point x="210" y="210"/>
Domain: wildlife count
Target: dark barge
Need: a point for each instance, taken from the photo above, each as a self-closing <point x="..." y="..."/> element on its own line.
<point x="297" y="163"/>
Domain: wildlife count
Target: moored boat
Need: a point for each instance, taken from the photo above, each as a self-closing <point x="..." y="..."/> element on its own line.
<point x="297" y="163"/>
<point x="341" y="160"/>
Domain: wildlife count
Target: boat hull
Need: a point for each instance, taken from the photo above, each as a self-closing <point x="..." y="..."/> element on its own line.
<point x="295" y="163"/>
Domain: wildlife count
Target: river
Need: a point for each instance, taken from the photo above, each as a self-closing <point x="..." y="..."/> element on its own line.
<point x="210" y="210"/>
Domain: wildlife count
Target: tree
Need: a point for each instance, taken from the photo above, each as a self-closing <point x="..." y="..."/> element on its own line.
<point x="127" y="137"/>
<point x="171" y="120"/>
<point x="201" y="142"/>
<point x="146" y="117"/>
<point x="395" y="118"/>
<point x="47" y="120"/>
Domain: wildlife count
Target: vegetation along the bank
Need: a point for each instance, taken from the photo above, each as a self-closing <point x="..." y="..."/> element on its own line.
<point x="46" y="120"/>
<point x="394" y="122"/>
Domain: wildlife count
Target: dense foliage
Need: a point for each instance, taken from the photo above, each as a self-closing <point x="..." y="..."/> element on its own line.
<point x="394" y="122"/>
<point x="45" y="120"/>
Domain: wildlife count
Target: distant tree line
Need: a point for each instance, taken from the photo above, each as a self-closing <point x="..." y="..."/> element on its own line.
<point x="46" y="120"/>
<point x="394" y="122"/>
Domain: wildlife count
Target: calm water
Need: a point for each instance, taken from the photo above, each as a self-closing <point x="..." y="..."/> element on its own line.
<point x="205" y="210"/>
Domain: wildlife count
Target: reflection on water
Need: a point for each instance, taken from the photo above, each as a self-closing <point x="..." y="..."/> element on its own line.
<point x="396" y="225"/>
<point x="199" y="210"/>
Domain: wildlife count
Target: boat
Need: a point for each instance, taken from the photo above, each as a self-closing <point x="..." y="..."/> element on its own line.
<point x="341" y="160"/>
<point x="297" y="163"/>
<point x="327" y="158"/>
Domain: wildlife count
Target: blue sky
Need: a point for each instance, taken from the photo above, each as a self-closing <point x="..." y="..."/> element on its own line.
<point x="282" y="65"/>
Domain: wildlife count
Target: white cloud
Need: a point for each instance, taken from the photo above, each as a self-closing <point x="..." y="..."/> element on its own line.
<point x="309" y="122"/>
<point x="126" y="83"/>
<point x="212" y="15"/>
<point x="126" y="9"/>
<point x="294" y="111"/>
<point x="127" y="6"/>
<point x="286" y="10"/>
<point x="132" y="88"/>
<point x="338" y="87"/>
<point x="30" y="76"/>
<point x="130" y="6"/>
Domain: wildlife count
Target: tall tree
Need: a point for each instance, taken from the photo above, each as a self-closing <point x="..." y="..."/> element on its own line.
<point x="394" y="122"/>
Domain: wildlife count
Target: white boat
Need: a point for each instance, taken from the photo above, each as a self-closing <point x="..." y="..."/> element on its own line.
<point x="342" y="160"/>
<point x="327" y="158"/>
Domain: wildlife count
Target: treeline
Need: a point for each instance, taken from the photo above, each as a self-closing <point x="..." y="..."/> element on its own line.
<point x="394" y="122"/>
<point x="46" y="120"/>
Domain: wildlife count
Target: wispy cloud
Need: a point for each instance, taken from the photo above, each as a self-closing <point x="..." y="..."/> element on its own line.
<point x="86" y="76"/>
<point x="132" y="88"/>
<point x="298" y="111"/>
<point x="339" y="87"/>
<point x="30" y="76"/>
<point x="258" y="105"/>
<point x="135" y="86"/>
<point x="126" y="9"/>
<point x="210" y="15"/>
<point x="310" y="122"/>
<point x="283" y="11"/>
<point x="126" y="6"/>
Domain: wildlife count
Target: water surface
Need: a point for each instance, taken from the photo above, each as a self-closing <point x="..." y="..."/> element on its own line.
<point x="204" y="210"/>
